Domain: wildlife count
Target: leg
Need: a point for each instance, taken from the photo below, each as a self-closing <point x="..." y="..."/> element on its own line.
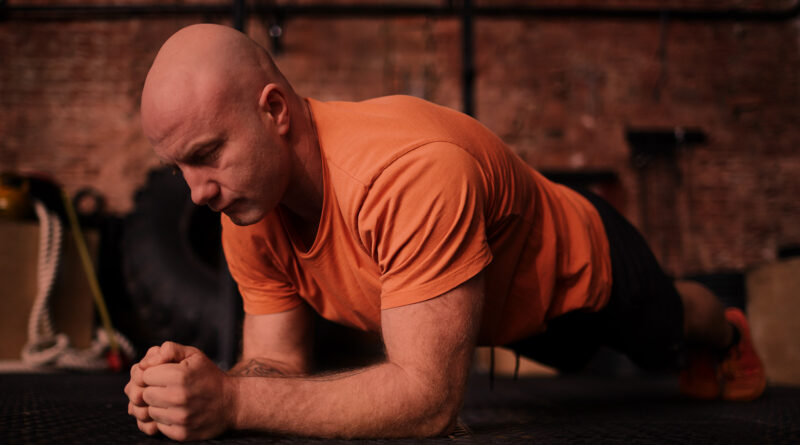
<point x="659" y="323"/>
<point x="704" y="317"/>
<point x="720" y="362"/>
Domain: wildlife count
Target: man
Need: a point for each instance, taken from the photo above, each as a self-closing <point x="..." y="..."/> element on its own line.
<point x="405" y="218"/>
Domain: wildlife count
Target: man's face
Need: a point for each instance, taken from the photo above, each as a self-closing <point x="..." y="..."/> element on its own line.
<point x="230" y="155"/>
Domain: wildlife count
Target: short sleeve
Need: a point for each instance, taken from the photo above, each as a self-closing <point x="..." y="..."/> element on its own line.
<point x="254" y="263"/>
<point x="422" y="221"/>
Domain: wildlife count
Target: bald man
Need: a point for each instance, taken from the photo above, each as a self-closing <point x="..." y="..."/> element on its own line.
<point x="404" y="218"/>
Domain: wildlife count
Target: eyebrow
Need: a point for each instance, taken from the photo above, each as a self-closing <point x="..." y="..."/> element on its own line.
<point x="196" y="147"/>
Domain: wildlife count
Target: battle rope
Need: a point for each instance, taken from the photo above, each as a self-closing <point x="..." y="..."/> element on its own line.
<point x="45" y="348"/>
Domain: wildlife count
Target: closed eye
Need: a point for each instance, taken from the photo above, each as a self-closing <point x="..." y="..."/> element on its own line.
<point x="208" y="154"/>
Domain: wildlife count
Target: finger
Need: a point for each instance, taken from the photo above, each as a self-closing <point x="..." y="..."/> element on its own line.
<point x="164" y="375"/>
<point x="174" y="432"/>
<point x="134" y="390"/>
<point x="168" y="416"/>
<point x="161" y="397"/>
<point x="127" y="389"/>
<point x="140" y="412"/>
<point x="152" y="358"/>
<point x="134" y="393"/>
<point x="172" y="352"/>
<point x="136" y="374"/>
<point x="149" y="428"/>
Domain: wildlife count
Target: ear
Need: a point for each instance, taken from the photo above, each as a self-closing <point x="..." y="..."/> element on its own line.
<point x="273" y="102"/>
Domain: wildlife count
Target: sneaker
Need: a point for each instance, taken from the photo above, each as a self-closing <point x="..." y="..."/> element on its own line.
<point x="741" y="371"/>
<point x="700" y="379"/>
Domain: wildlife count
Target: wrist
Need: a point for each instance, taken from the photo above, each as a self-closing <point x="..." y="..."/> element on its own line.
<point x="231" y="405"/>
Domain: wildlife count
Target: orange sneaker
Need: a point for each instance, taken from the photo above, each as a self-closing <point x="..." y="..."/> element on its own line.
<point x="700" y="379"/>
<point x="742" y="372"/>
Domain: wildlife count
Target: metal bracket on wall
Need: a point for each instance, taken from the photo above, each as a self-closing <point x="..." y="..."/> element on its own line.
<point x="581" y="178"/>
<point x="72" y="11"/>
<point x="648" y="144"/>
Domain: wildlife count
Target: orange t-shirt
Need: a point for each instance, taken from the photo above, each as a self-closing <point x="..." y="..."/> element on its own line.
<point x="419" y="198"/>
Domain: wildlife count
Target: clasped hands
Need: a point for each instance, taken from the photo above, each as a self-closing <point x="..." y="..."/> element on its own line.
<point x="178" y="391"/>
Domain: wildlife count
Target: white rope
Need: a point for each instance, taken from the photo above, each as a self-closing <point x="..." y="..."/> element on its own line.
<point x="43" y="345"/>
<point x="45" y="348"/>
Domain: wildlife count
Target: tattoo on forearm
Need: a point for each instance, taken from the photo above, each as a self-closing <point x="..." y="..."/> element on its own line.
<point x="256" y="368"/>
<point x="262" y="368"/>
<point x="337" y="375"/>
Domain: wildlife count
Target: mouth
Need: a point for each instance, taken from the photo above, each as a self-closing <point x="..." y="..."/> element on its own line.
<point x="218" y="210"/>
<point x="222" y="209"/>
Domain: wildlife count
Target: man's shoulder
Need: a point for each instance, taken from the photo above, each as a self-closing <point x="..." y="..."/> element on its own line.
<point x="360" y="139"/>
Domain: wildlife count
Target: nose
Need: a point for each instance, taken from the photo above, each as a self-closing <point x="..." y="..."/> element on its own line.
<point x="203" y="188"/>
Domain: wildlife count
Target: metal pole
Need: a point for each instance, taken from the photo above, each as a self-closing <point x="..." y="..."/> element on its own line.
<point x="68" y="12"/>
<point x="467" y="64"/>
<point x="239" y="14"/>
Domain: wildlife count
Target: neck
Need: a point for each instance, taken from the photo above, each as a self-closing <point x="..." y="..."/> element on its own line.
<point x="304" y="194"/>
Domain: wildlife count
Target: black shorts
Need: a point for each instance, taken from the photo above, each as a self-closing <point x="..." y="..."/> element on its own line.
<point x="643" y="318"/>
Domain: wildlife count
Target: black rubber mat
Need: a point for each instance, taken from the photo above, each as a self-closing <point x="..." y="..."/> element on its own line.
<point x="80" y="408"/>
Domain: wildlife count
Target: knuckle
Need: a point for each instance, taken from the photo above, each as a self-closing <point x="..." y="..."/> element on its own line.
<point x="181" y="398"/>
<point x="141" y="413"/>
<point x="145" y="427"/>
<point x="182" y="417"/>
<point x="182" y="378"/>
<point x="139" y="401"/>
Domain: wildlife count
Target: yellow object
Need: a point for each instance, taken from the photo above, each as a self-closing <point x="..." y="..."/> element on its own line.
<point x="88" y="268"/>
<point x="15" y="201"/>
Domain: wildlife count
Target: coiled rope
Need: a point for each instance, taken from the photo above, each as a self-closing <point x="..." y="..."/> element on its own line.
<point x="45" y="348"/>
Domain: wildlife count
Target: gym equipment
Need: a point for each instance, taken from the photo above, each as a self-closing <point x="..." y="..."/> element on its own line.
<point x="46" y="348"/>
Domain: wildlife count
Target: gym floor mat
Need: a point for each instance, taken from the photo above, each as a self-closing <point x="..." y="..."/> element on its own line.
<point x="91" y="408"/>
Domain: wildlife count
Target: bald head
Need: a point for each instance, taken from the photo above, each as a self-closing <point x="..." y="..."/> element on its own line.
<point x="204" y="66"/>
<point x="215" y="105"/>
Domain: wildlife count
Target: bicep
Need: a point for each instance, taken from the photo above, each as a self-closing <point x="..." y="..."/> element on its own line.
<point x="284" y="337"/>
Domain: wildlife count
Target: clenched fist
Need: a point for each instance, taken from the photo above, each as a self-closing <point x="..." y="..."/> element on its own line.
<point x="177" y="390"/>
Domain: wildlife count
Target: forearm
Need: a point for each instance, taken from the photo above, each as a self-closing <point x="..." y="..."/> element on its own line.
<point x="380" y="401"/>
<point x="416" y="393"/>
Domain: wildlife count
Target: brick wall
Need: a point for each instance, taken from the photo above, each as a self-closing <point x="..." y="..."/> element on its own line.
<point x="562" y="92"/>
